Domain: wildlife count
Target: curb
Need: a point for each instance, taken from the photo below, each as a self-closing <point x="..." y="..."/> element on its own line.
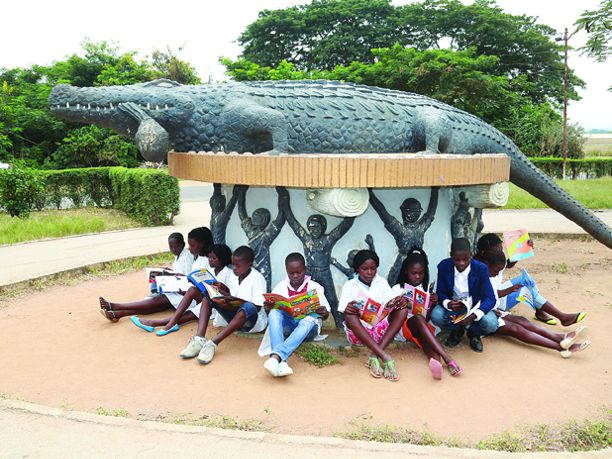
<point x="359" y="446"/>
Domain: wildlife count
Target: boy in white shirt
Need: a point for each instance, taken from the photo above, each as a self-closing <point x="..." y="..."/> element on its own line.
<point x="183" y="260"/>
<point x="285" y="333"/>
<point x="245" y="283"/>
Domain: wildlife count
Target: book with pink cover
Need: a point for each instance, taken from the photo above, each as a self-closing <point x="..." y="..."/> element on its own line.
<point x="418" y="300"/>
<point x="517" y="246"/>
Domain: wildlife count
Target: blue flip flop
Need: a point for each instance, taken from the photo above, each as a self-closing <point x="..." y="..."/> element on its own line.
<point x="136" y="321"/>
<point x="163" y="332"/>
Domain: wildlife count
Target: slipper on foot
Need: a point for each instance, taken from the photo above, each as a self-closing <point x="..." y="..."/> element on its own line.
<point x="136" y="321"/>
<point x="389" y="371"/>
<point x="374" y="365"/>
<point x="453" y="368"/>
<point x="549" y="321"/>
<point x="567" y="353"/>
<point x="579" y="317"/>
<point x="163" y="332"/>
<point x="436" y="369"/>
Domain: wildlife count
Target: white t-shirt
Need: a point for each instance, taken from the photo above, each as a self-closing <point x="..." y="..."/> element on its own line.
<point x="251" y="289"/>
<point x="183" y="263"/>
<point x="200" y="262"/>
<point x="223" y="277"/>
<point x="379" y="291"/>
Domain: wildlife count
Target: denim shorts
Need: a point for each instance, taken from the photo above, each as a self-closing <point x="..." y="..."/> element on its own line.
<point x="250" y="311"/>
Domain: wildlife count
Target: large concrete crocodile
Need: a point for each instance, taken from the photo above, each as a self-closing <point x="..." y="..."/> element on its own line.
<point x="303" y="117"/>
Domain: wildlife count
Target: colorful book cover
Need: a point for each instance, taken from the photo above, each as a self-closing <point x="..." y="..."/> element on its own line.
<point x="229" y="302"/>
<point x="517" y="246"/>
<point x="201" y="277"/>
<point x="298" y="306"/>
<point x="371" y="311"/>
<point x="418" y="300"/>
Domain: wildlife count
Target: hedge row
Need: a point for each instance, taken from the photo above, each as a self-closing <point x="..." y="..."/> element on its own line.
<point x="148" y="195"/>
<point x="575" y="168"/>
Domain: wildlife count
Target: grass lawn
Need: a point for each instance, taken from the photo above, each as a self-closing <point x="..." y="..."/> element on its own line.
<point x="61" y="223"/>
<point x="594" y="194"/>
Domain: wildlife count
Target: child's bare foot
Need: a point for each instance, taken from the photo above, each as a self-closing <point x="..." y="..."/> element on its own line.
<point x="566" y="354"/>
<point x="110" y="315"/>
<point x="105" y="304"/>
<point x="574" y="319"/>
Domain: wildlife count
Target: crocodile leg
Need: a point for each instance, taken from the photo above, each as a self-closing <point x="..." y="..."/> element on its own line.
<point x="253" y="121"/>
<point x="151" y="138"/>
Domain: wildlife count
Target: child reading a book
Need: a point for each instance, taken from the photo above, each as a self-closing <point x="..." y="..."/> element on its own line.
<point x="465" y="297"/>
<point x="370" y="293"/>
<point x="285" y="332"/>
<point x="183" y="258"/>
<point x="199" y="241"/>
<point x="239" y="303"/>
<point x="415" y="272"/>
<point x="543" y="307"/>
<point x="219" y="258"/>
<point x="521" y="328"/>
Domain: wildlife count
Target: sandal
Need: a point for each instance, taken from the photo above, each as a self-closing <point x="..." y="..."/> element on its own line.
<point x="453" y="368"/>
<point x="566" y="342"/>
<point x="374" y="365"/>
<point x="109" y="314"/>
<point x="436" y="369"/>
<point x="105" y="304"/>
<point x="390" y="372"/>
<point x="567" y="353"/>
<point x="579" y="317"/>
<point x="549" y="321"/>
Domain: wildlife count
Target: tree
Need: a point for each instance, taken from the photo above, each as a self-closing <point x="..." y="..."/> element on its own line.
<point x="168" y="65"/>
<point x="598" y="24"/>
<point x="328" y="33"/>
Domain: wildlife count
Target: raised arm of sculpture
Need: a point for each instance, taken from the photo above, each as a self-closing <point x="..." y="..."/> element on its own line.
<point x="245" y="220"/>
<point x="428" y="218"/>
<point x="390" y="222"/>
<point x="284" y="204"/>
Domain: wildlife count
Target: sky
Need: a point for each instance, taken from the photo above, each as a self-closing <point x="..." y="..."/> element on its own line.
<point x="40" y="32"/>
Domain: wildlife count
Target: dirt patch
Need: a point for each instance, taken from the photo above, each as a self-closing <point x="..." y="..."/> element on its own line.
<point x="57" y="350"/>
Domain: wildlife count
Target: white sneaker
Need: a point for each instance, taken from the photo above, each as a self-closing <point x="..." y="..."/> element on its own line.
<point x="271" y="365"/>
<point x="193" y="348"/>
<point x="284" y="369"/>
<point x="207" y="352"/>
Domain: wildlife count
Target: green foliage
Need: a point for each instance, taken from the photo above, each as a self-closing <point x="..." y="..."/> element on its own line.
<point x="21" y="189"/>
<point x="150" y="196"/>
<point x="168" y="65"/>
<point x="86" y="186"/>
<point x="594" y="194"/>
<point x="594" y="167"/>
<point x="317" y="355"/>
<point x="598" y="24"/>
<point x="327" y="33"/>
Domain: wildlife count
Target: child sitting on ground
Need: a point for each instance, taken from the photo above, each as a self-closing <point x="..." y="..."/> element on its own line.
<point x="521" y="328"/>
<point x="183" y="259"/>
<point x="246" y="283"/>
<point x="415" y="272"/>
<point x="285" y="333"/>
<point x="219" y="257"/>
<point x="492" y="242"/>
<point x="369" y="285"/>
<point x="199" y="241"/>
<point x="462" y="283"/>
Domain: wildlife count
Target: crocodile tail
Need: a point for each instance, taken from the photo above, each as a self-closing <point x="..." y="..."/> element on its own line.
<point x="526" y="175"/>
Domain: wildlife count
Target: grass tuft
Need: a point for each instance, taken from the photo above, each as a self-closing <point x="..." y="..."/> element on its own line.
<point x="119" y="412"/>
<point x="316" y="355"/>
<point x="62" y="223"/>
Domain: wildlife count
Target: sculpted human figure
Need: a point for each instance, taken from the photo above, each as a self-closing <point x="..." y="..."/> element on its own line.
<point x="411" y="231"/>
<point x="220" y="212"/>
<point x="464" y="224"/>
<point x="260" y="231"/>
<point x="348" y="270"/>
<point x="317" y="246"/>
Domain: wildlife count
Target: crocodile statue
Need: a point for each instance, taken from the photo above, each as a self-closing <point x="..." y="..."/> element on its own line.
<point x="303" y="117"/>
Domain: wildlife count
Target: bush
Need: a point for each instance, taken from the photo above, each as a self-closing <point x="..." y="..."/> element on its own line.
<point x="150" y="196"/>
<point x="21" y="191"/>
<point x="86" y="186"/>
<point x="575" y="168"/>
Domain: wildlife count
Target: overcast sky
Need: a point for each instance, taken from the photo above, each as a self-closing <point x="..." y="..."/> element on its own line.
<point x="40" y="32"/>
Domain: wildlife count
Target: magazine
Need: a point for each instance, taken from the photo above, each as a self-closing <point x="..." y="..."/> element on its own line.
<point x="517" y="246"/>
<point x="152" y="273"/>
<point x="229" y="302"/>
<point x="200" y="277"/>
<point x="168" y="284"/>
<point x="458" y="316"/>
<point x="298" y="306"/>
<point x="418" y="300"/>
<point x="373" y="312"/>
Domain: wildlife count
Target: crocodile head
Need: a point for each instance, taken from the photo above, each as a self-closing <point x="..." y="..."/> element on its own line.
<point x="143" y="111"/>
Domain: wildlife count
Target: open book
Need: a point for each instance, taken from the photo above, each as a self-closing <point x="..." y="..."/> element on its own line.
<point x="418" y="300"/>
<point x="372" y="312"/>
<point x="298" y="306"/>
<point x="168" y="284"/>
<point x="458" y="316"/>
<point x="201" y="277"/>
<point x="152" y="274"/>
<point x="230" y="302"/>
<point x="516" y="245"/>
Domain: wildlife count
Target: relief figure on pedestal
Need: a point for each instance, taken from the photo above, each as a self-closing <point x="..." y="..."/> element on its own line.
<point x="220" y="212"/>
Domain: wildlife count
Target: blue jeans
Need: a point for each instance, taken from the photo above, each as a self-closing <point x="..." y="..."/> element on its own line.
<point x="442" y="318"/>
<point x="528" y="281"/>
<point x="250" y="311"/>
<point x="286" y="333"/>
